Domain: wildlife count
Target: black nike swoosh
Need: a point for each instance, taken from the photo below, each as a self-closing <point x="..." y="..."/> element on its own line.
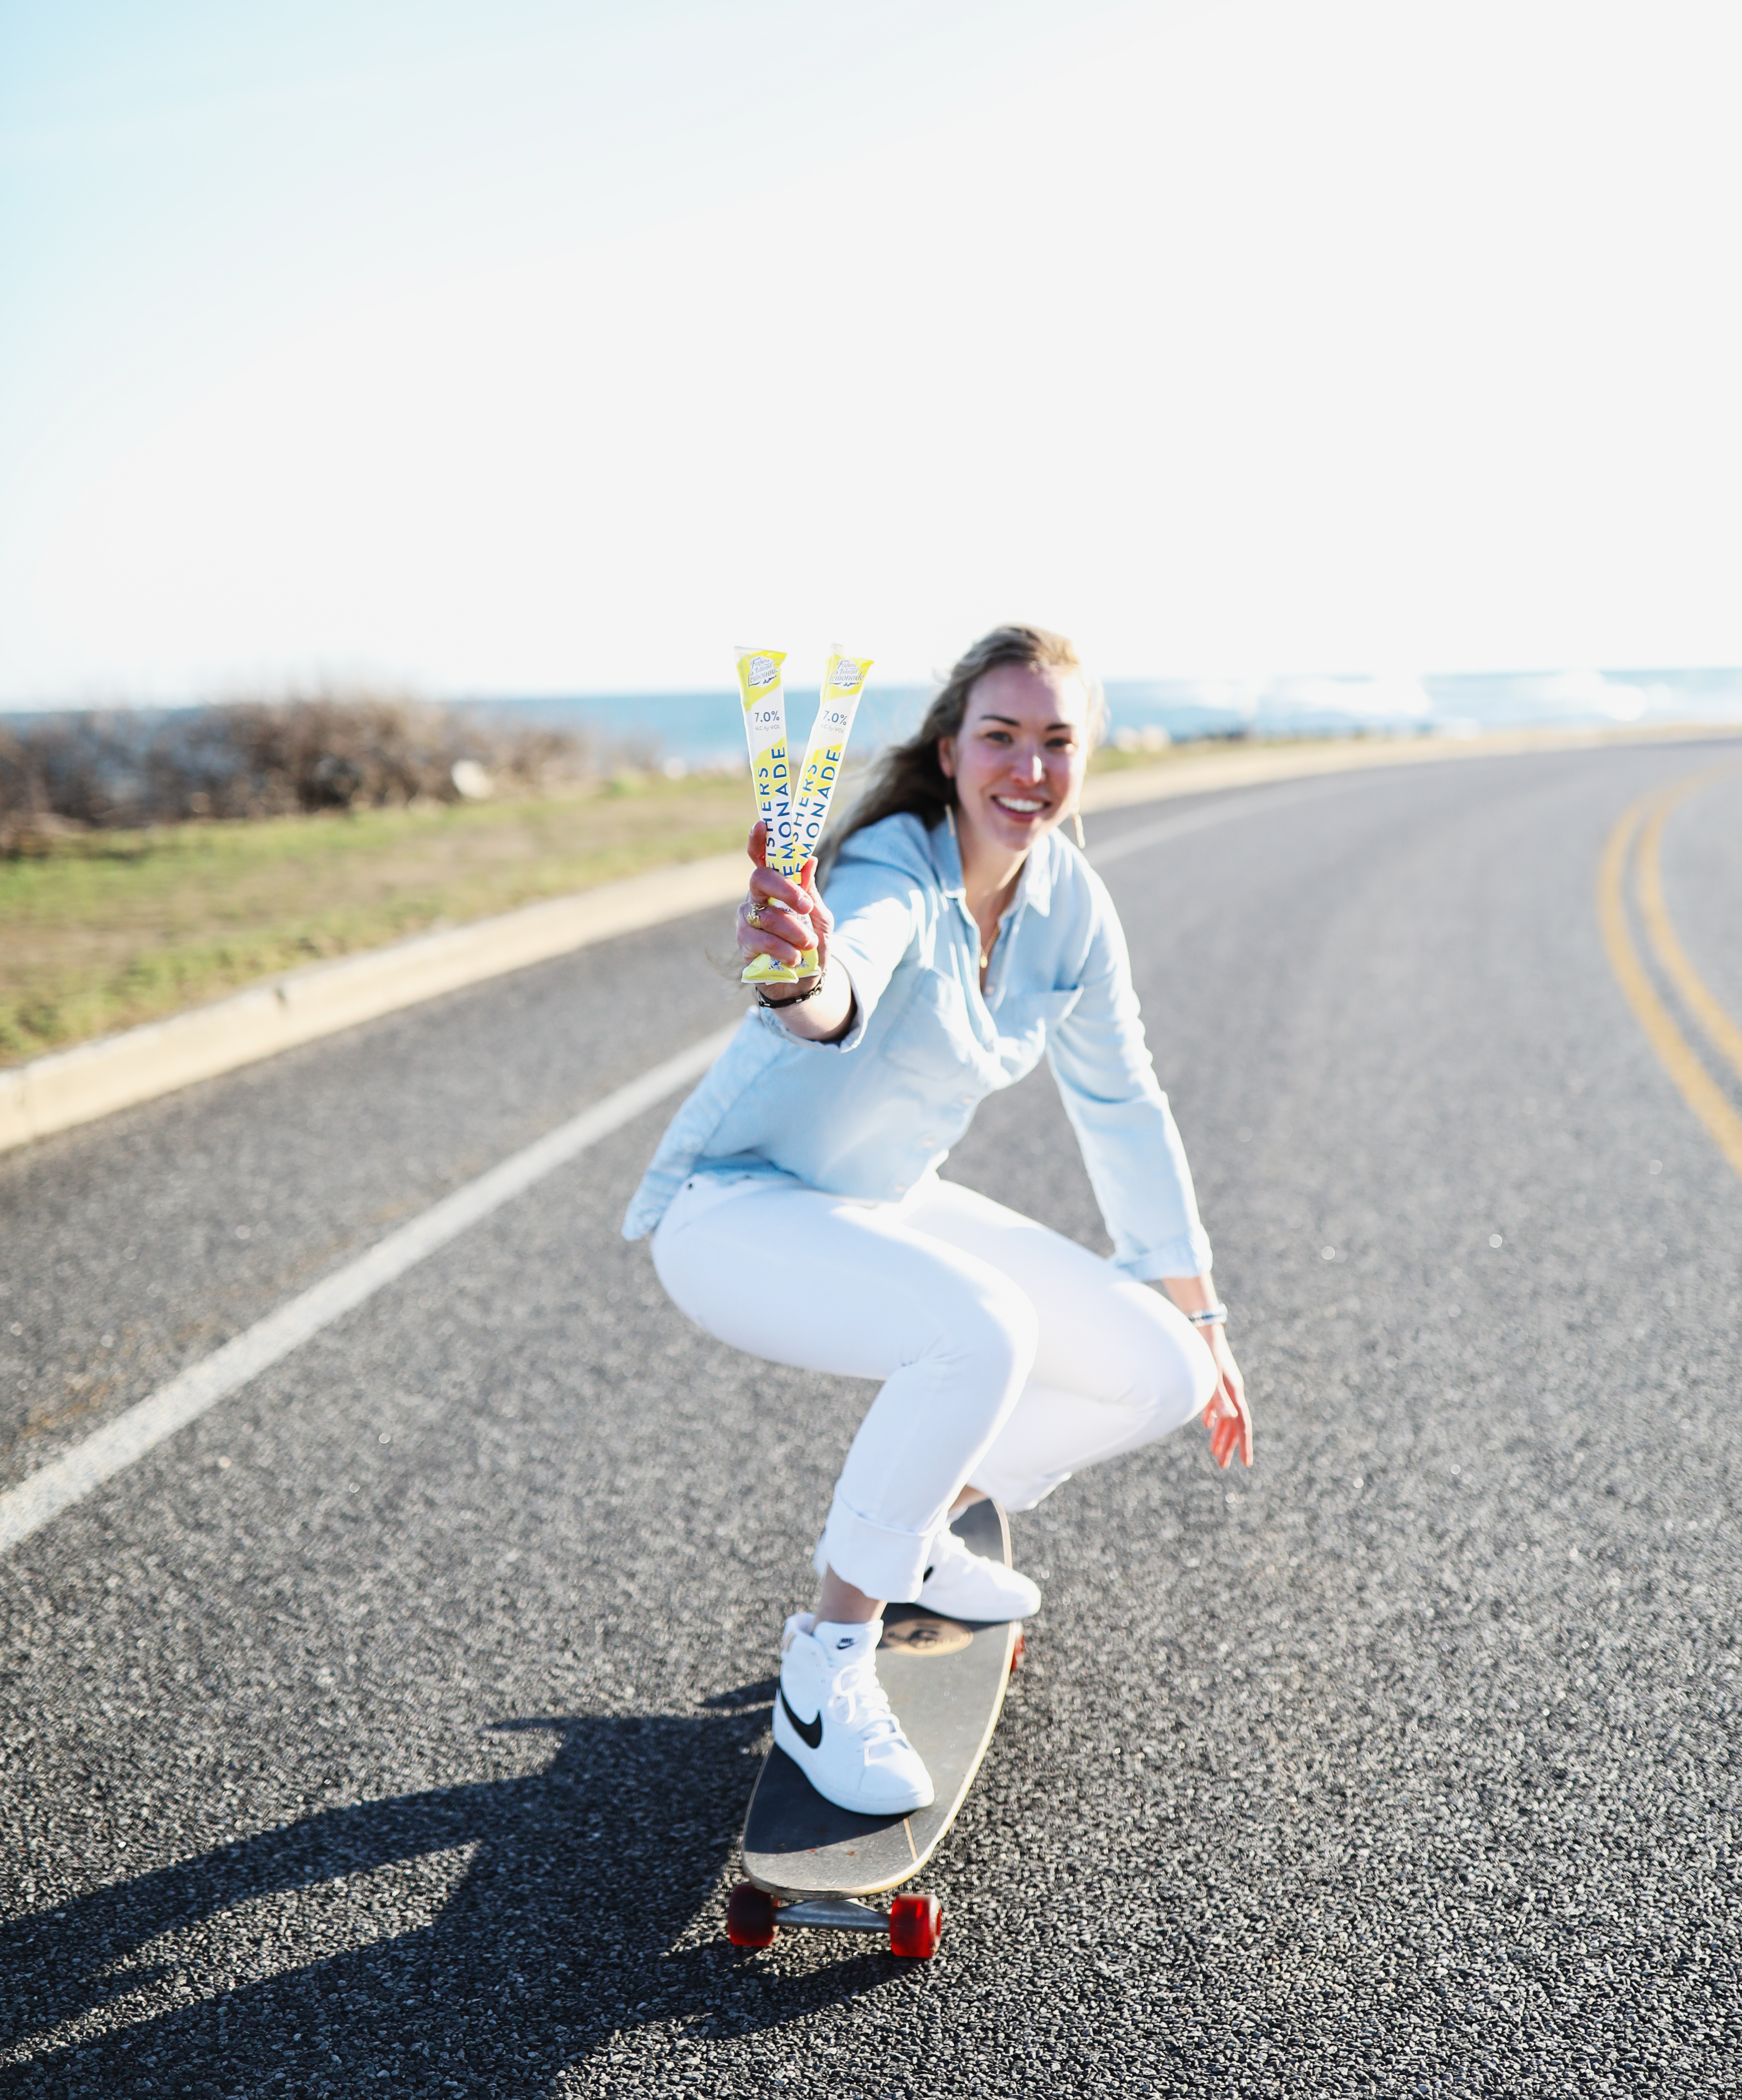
<point x="809" y="1733"/>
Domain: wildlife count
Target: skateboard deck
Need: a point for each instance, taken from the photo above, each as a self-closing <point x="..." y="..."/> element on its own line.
<point x="946" y="1679"/>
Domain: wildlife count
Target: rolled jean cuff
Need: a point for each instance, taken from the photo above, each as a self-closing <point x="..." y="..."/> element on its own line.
<point x="886" y="1564"/>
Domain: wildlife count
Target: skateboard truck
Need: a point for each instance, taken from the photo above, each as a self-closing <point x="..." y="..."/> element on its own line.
<point x="911" y="1922"/>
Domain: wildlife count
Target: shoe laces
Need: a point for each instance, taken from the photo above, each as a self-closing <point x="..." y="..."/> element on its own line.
<point x="858" y="1701"/>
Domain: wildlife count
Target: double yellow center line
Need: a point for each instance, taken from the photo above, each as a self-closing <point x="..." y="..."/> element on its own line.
<point x="1637" y="842"/>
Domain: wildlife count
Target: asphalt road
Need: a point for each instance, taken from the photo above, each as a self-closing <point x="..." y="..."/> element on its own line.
<point x="388" y="1729"/>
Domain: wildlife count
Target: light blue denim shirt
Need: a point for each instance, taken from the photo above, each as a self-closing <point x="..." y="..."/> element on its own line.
<point x="868" y="1116"/>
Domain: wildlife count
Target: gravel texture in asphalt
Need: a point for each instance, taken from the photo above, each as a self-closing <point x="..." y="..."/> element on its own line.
<point x="389" y="1729"/>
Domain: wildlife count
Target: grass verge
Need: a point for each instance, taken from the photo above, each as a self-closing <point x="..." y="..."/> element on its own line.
<point x="108" y="929"/>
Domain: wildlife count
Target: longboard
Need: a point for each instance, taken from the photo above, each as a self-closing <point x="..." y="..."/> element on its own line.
<point x="807" y="1862"/>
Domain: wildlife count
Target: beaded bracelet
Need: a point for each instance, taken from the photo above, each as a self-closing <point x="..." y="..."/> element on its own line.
<point x="1212" y="1316"/>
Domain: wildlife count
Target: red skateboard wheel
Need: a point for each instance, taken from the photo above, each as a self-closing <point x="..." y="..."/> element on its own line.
<point x="750" y="1916"/>
<point x="915" y="1924"/>
<point x="1018" y="1652"/>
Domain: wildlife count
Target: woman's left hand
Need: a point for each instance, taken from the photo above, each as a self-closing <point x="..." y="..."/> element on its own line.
<point x="1226" y="1416"/>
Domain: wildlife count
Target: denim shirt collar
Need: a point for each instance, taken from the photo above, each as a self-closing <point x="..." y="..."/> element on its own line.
<point x="1034" y="891"/>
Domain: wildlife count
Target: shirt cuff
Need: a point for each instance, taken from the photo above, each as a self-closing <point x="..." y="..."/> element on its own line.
<point x="1188" y="1255"/>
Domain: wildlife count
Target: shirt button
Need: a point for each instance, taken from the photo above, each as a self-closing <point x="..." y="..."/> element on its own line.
<point x="901" y="1188"/>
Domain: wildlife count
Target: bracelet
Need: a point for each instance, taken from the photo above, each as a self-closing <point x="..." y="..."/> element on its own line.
<point x="1212" y="1316"/>
<point x="776" y="1005"/>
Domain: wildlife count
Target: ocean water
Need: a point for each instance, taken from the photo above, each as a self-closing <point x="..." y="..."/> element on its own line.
<point x="702" y="730"/>
<point x="694" y="731"/>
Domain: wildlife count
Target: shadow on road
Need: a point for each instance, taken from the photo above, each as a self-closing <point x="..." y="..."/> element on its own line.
<point x="574" y="1915"/>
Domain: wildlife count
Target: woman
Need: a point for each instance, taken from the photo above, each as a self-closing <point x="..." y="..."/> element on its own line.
<point x="962" y="937"/>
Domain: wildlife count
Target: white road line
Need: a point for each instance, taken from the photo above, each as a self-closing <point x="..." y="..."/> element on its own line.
<point x="1185" y="821"/>
<point x="31" y="1504"/>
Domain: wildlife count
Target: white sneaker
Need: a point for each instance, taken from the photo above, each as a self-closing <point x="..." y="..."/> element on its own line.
<point x="832" y="1718"/>
<point x="966" y="1586"/>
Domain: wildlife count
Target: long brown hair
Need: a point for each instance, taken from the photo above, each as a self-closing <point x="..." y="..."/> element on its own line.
<point x="909" y="779"/>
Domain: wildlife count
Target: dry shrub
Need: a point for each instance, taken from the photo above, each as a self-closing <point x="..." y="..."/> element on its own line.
<point x="258" y="758"/>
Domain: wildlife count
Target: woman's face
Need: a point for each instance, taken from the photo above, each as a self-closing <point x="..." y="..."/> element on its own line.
<point x="1017" y="761"/>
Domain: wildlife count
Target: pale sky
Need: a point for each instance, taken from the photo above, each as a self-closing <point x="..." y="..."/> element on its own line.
<point x="526" y="348"/>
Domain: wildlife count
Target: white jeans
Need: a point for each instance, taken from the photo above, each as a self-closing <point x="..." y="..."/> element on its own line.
<point x="1009" y="1356"/>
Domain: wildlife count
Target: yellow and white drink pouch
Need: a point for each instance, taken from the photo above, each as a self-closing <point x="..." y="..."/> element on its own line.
<point x="763" y="692"/>
<point x="842" y="682"/>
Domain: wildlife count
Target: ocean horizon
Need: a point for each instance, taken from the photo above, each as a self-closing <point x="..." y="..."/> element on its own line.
<point x="702" y="731"/>
<point x="698" y="729"/>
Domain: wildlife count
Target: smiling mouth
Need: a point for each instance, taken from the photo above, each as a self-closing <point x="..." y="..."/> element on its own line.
<point x="1019" y="805"/>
